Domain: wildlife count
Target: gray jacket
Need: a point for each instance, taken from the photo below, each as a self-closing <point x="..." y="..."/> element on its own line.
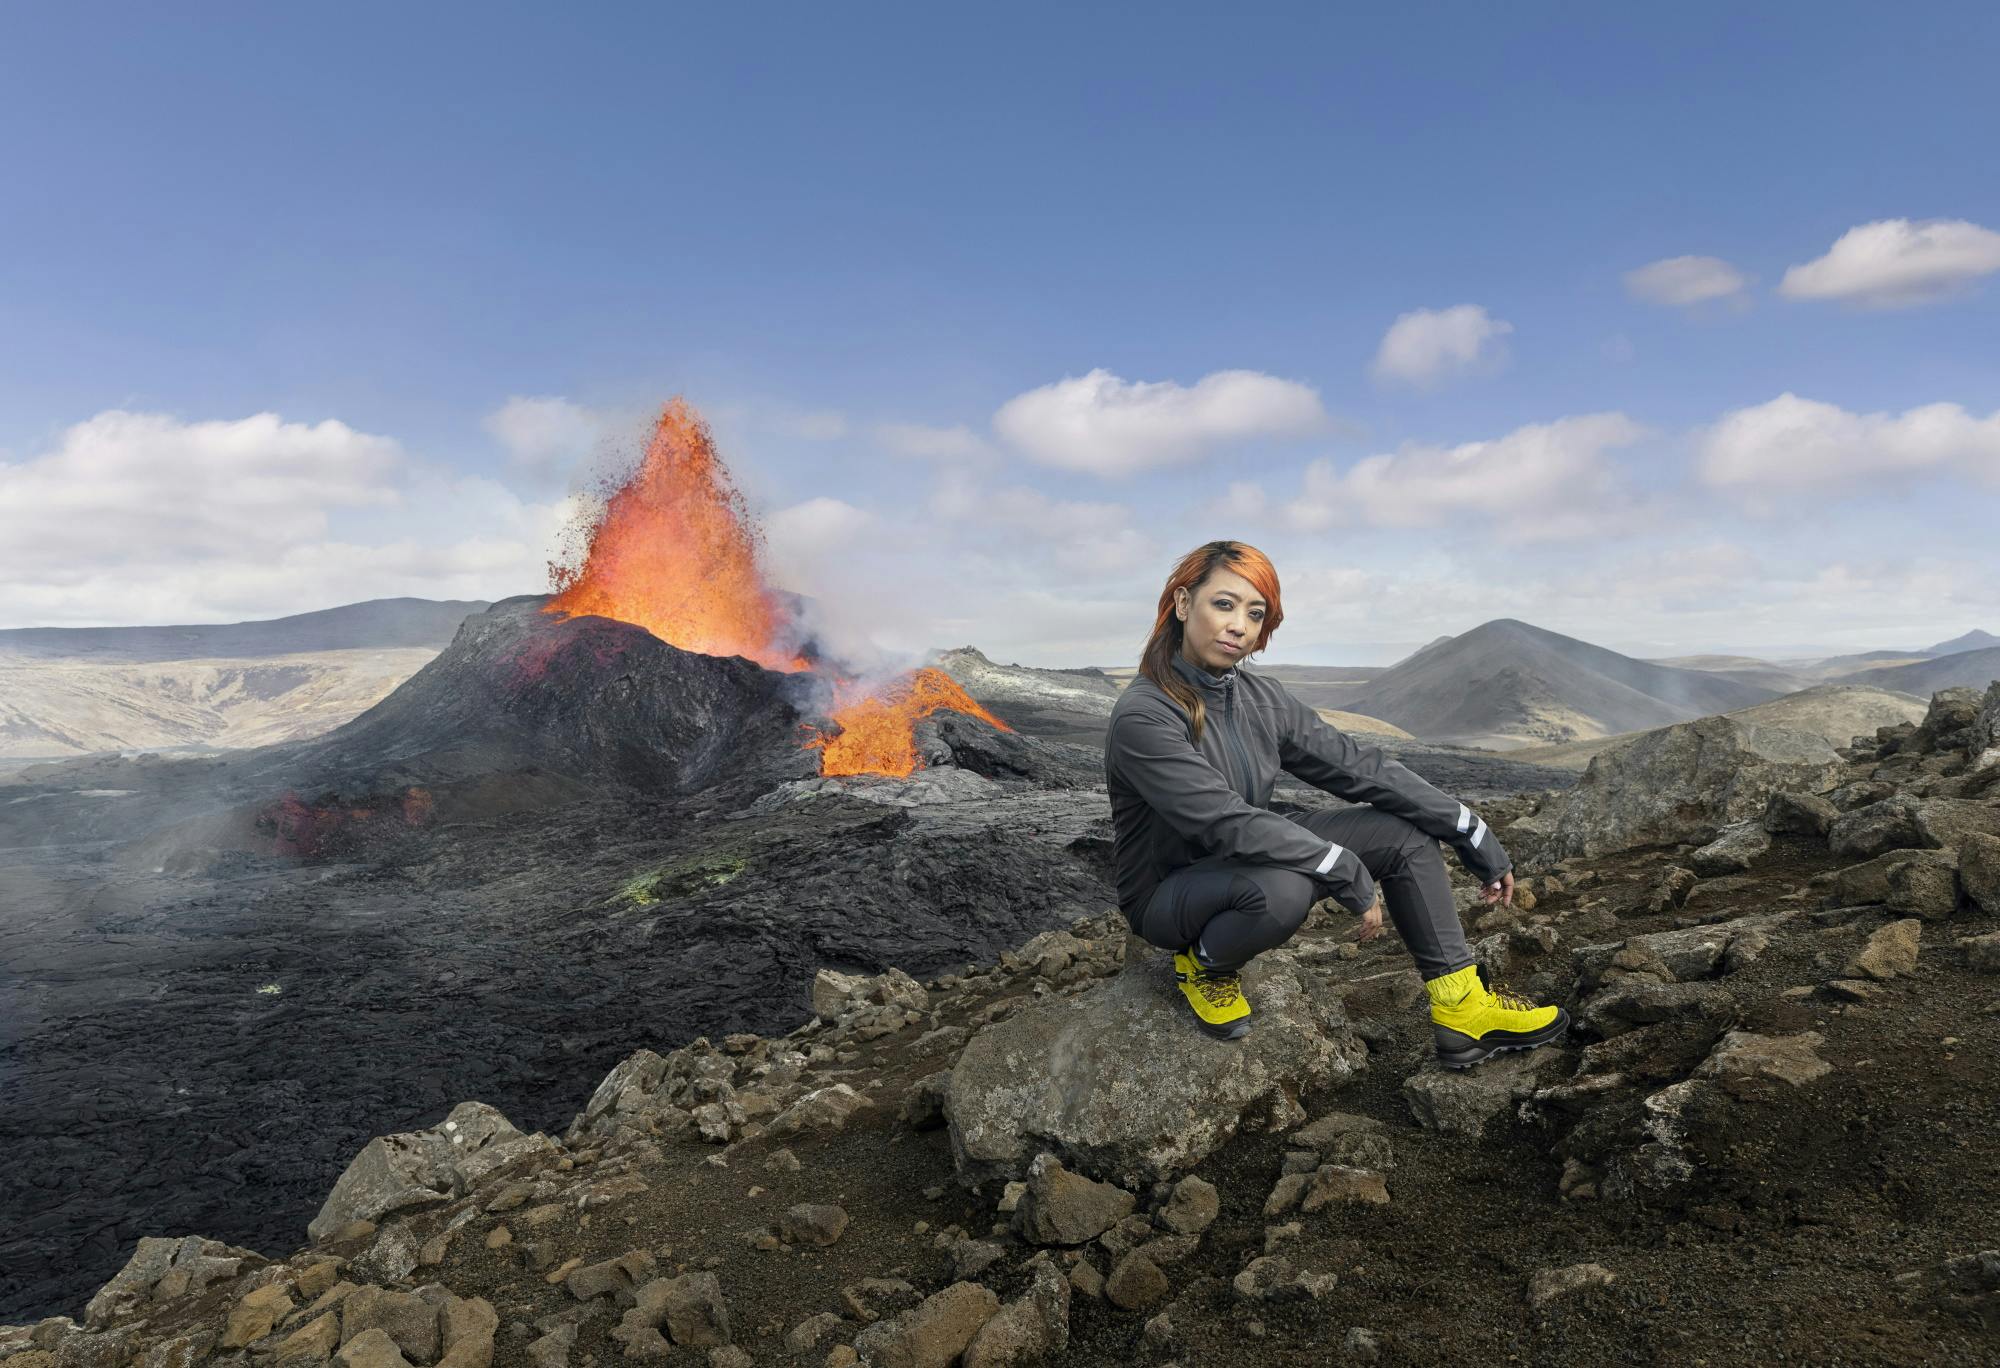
<point x="1173" y="802"/>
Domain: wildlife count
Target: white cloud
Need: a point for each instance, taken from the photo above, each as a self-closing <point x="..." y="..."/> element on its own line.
<point x="1539" y="482"/>
<point x="1102" y="425"/>
<point x="944" y="444"/>
<point x="800" y="538"/>
<point x="1684" y="280"/>
<point x="544" y="431"/>
<point x="143" y="518"/>
<point x="1245" y="499"/>
<point x="1897" y="262"/>
<point x="1801" y="444"/>
<point x="1430" y="345"/>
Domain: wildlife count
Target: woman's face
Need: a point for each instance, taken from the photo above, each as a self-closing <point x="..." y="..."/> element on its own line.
<point x="1224" y="617"/>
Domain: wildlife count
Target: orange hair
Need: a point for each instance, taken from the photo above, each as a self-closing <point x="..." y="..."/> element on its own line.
<point x="1190" y="573"/>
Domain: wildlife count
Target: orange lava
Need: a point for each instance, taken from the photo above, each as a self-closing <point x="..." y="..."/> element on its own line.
<point x="875" y="728"/>
<point x="675" y="553"/>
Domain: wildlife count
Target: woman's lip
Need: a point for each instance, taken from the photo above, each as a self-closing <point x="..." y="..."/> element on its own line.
<point x="1227" y="647"/>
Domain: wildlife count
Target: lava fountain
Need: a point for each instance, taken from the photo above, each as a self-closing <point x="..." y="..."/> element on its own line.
<point x="674" y="551"/>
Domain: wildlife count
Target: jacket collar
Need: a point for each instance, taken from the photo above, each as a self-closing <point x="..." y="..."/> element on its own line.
<point x="1215" y="685"/>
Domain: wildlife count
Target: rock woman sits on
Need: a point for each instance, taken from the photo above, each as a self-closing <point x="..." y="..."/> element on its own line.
<point x="1207" y="870"/>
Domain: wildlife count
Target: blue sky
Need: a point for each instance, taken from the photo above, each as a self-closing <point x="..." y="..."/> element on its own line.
<point x="856" y="237"/>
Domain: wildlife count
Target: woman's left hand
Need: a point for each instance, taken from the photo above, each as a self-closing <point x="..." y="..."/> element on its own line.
<point x="1371" y="921"/>
<point x="1501" y="890"/>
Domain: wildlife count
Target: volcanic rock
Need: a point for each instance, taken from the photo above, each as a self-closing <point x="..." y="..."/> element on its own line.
<point x="1272" y="1278"/>
<point x="1746" y="1063"/>
<point x="931" y="1334"/>
<point x="419" y="1167"/>
<point x="1064" y="1208"/>
<point x="1118" y="1083"/>
<point x="1550" y="1283"/>
<point x="1798" y="814"/>
<point x="1136" y="1283"/>
<point x="1890" y="951"/>
<point x="1463" y="1102"/>
<point x="1733" y="851"/>
<point x="1979" y="871"/>
<point x="1684" y="783"/>
<point x="1192" y="1208"/>
<point x="1027" y="1330"/>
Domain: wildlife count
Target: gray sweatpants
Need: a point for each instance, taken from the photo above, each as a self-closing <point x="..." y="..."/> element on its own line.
<point x="1238" y="910"/>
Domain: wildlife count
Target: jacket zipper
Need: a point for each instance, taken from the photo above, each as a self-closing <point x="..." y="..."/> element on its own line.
<point x="1236" y="739"/>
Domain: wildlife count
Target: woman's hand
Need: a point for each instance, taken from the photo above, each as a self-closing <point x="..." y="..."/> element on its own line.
<point x="1371" y="921"/>
<point x="1501" y="890"/>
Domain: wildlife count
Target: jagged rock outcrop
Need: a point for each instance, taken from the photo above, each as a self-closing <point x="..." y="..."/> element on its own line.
<point x="1114" y="1083"/>
<point x="1684" y="784"/>
<point x="420" y="1167"/>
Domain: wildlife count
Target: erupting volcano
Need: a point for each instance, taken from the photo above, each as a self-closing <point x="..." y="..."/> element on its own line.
<point x="674" y="551"/>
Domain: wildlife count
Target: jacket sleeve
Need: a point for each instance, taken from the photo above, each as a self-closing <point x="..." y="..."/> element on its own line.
<point x="1328" y="758"/>
<point x="1156" y="757"/>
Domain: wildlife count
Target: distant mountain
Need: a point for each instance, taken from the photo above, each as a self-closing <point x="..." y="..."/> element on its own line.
<point x="1743" y="669"/>
<point x="1509" y="682"/>
<point x="1960" y="670"/>
<point x="374" y="625"/>
<point x="1974" y="640"/>
<point x="67" y="691"/>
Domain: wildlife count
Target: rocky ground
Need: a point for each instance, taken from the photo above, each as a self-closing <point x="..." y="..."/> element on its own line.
<point x="1768" y="1138"/>
<point x="210" y="1000"/>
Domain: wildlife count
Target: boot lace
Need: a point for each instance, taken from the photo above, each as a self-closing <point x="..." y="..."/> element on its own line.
<point x="1219" y="988"/>
<point x="1508" y="998"/>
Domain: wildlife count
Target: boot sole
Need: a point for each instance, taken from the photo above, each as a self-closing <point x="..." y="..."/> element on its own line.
<point x="1465" y="1057"/>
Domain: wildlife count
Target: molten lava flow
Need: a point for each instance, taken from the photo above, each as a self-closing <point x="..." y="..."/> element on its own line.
<point x="674" y="553"/>
<point x="875" y="728"/>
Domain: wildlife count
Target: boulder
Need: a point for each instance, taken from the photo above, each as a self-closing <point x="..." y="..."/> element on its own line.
<point x="1922" y="883"/>
<point x="407" y="1319"/>
<point x="163" y="1268"/>
<point x="823" y="1109"/>
<point x="1747" y="1065"/>
<point x="1028" y="1330"/>
<point x="1982" y="739"/>
<point x="1064" y="1208"/>
<point x="1982" y="953"/>
<point x="1979" y="870"/>
<point x="1192" y="1208"/>
<point x="1798" y="814"/>
<point x="1136" y="1283"/>
<point x="1869" y="830"/>
<point x="1640" y="1001"/>
<point x="1118" y="1082"/>
<point x="1683" y="784"/>
<point x="394" y="1172"/>
<point x="1732" y="852"/>
<point x="1948" y="823"/>
<point x="1463" y="1101"/>
<point x="1948" y="722"/>
<point x="1890" y="952"/>
<point x="931" y="1334"/>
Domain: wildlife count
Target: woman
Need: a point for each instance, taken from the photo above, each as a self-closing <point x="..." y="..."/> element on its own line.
<point x="1207" y="870"/>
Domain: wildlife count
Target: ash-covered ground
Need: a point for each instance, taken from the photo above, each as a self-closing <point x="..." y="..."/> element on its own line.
<point x="560" y="842"/>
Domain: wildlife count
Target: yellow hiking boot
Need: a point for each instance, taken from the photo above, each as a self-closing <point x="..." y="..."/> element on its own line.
<point x="1216" y="996"/>
<point x="1470" y="1019"/>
